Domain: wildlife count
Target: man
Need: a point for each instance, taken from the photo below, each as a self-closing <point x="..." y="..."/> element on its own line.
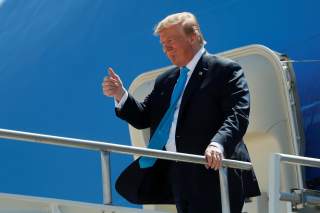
<point x="200" y="107"/>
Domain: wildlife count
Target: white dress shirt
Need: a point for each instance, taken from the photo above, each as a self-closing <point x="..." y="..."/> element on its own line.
<point x="171" y="143"/>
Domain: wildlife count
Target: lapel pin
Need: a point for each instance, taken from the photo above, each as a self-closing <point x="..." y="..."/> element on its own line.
<point x="200" y="73"/>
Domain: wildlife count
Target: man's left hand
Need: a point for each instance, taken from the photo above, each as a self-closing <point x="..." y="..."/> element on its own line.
<point x="214" y="157"/>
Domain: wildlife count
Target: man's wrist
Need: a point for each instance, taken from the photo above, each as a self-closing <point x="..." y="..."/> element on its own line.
<point x="119" y="97"/>
<point x="120" y="103"/>
<point x="217" y="145"/>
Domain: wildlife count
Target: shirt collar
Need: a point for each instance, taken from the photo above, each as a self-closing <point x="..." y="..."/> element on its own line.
<point x="193" y="63"/>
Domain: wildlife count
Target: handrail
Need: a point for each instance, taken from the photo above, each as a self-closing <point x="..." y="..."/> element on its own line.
<point x="105" y="148"/>
<point x="110" y="147"/>
<point x="275" y="195"/>
<point x="299" y="160"/>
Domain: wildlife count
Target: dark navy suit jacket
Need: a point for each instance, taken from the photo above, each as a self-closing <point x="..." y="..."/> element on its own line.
<point x="215" y="107"/>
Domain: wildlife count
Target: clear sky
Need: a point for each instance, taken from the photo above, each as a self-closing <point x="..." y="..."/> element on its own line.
<point x="54" y="56"/>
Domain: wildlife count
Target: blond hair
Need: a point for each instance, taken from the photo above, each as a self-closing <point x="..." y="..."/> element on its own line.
<point x="186" y="19"/>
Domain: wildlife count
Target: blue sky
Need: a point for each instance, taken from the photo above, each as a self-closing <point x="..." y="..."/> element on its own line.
<point x="54" y="56"/>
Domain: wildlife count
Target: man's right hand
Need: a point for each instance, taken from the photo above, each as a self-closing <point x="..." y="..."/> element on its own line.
<point x="112" y="85"/>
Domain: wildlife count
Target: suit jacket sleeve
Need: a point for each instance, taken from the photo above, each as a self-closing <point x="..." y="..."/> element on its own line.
<point x="135" y="113"/>
<point x="235" y="106"/>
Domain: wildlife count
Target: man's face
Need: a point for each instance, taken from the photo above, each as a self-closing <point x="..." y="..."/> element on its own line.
<point x="177" y="45"/>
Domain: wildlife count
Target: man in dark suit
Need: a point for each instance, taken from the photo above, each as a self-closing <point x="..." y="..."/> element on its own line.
<point x="209" y="116"/>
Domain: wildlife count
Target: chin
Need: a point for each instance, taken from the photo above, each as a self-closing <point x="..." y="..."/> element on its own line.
<point x="175" y="62"/>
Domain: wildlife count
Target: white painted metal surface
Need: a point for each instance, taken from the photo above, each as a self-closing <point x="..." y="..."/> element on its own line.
<point x="224" y="188"/>
<point x="106" y="177"/>
<point x="274" y="184"/>
<point x="10" y="203"/>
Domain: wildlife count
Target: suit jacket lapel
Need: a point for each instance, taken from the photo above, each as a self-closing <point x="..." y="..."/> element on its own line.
<point x="166" y="90"/>
<point x="170" y="83"/>
<point x="194" y="83"/>
<point x="173" y="76"/>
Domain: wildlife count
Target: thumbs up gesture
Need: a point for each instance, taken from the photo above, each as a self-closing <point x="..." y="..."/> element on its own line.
<point x="112" y="85"/>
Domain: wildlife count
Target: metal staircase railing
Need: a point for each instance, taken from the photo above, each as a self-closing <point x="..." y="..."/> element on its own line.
<point x="106" y="148"/>
<point x="275" y="195"/>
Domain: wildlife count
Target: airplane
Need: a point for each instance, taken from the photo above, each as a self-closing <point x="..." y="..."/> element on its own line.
<point x="54" y="57"/>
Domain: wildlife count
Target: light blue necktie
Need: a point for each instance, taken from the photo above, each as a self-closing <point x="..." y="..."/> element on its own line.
<point x="161" y="135"/>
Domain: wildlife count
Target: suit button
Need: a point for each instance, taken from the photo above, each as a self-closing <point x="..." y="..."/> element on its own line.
<point x="177" y="136"/>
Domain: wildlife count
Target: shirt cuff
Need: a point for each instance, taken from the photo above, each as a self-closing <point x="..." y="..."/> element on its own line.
<point x="122" y="100"/>
<point x="219" y="146"/>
